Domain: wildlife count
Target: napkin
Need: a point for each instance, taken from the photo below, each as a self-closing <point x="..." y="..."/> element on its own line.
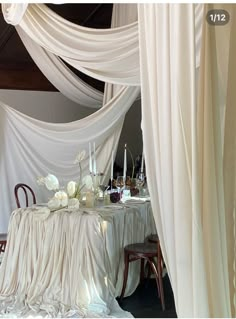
<point x="73" y="203"/>
<point x="54" y="203"/>
<point x="136" y="199"/>
<point x="41" y="213"/>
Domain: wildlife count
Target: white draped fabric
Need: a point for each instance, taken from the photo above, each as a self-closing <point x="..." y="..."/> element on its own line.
<point x="106" y="54"/>
<point x="183" y="152"/>
<point x="31" y="148"/>
<point x="60" y="75"/>
<point x="110" y="55"/>
<point x="122" y="14"/>
<point x="14" y="12"/>
<point x="70" y="263"/>
<point x="192" y="185"/>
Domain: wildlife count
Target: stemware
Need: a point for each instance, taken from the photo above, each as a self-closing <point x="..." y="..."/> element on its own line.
<point x="140" y="180"/>
<point x="120" y="183"/>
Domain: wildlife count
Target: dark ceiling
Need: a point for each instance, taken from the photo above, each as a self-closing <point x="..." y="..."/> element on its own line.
<point x="18" y="71"/>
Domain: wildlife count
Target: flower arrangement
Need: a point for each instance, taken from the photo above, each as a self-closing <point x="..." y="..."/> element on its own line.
<point x="71" y="196"/>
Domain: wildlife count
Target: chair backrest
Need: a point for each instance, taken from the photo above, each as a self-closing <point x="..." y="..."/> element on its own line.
<point x="3" y="242"/>
<point x="2" y="246"/>
<point x="26" y="189"/>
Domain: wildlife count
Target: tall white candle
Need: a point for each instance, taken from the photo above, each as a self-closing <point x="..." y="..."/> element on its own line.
<point x="125" y="163"/>
<point x="94" y="159"/>
<point x="112" y="159"/>
<point x="142" y="163"/>
<point x="90" y="159"/>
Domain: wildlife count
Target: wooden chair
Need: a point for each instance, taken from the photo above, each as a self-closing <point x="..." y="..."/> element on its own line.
<point x="145" y="251"/>
<point x="3" y="242"/>
<point x="26" y="189"/>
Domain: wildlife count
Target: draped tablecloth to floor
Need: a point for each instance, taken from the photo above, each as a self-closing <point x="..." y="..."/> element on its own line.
<point x="69" y="263"/>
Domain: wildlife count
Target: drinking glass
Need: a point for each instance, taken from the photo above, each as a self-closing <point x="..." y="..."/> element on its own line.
<point x="120" y="183"/>
<point x="140" y="180"/>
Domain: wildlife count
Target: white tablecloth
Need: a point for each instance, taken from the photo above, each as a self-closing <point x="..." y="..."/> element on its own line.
<point x="69" y="263"/>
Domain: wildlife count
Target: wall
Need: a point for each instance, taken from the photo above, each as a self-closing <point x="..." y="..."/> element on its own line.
<point x="54" y="107"/>
<point x="45" y="106"/>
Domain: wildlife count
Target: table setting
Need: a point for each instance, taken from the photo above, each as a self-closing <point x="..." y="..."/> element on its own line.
<point x="64" y="258"/>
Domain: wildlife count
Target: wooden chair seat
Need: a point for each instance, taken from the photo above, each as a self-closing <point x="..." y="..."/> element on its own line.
<point x="153" y="238"/>
<point x="145" y="249"/>
<point x="145" y="252"/>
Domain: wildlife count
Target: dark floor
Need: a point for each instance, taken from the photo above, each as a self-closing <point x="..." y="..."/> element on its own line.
<point x="144" y="302"/>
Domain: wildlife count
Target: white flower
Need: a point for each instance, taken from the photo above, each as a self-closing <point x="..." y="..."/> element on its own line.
<point x="41" y="180"/>
<point x="71" y="188"/>
<point x="87" y="181"/>
<point x="80" y="157"/>
<point x="51" y="182"/>
<point x="62" y="197"/>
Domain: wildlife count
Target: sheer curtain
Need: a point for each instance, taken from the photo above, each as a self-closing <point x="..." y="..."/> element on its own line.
<point x="183" y="149"/>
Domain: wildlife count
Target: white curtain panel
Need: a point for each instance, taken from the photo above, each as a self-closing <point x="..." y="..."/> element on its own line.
<point x="183" y="152"/>
<point x="31" y="148"/>
<point x="218" y="76"/>
<point x="230" y="162"/>
<point x="60" y="75"/>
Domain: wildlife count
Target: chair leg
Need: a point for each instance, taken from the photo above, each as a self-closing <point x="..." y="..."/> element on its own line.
<point x="126" y="270"/>
<point x="159" y="282"/>
<point x="142" y="270"/>
<point x="158" y="286"/>
<point x="149" y="271"/>
<point x="159" y="270"/>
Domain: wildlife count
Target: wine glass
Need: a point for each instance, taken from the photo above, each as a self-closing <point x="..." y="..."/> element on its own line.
<point x="103" y="188"/>
<point x="120" y="183"/>
<point x="128" y="181"/>
<point x="140" y="180"/>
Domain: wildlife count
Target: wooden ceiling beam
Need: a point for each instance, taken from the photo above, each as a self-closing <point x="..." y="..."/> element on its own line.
<point x="6" y="35"/>
<point x="27" y="78"/>
<point x="91" y="15"/>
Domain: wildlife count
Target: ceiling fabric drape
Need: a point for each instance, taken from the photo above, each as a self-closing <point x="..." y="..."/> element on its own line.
<point x="107" y="54"/>
<point x="183" y="148"/>
<point x="14" y="12"/>
<point x="60" y="75"/>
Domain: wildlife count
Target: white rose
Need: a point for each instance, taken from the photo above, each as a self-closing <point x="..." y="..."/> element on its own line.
<point x="62" y="197"/>
<point x="51" y="182"/>
<point x="71" y="188"/>
<point x="87" y="181"/>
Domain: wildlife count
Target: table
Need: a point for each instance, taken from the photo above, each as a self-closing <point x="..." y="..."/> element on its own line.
<point x="70" y="262"/>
